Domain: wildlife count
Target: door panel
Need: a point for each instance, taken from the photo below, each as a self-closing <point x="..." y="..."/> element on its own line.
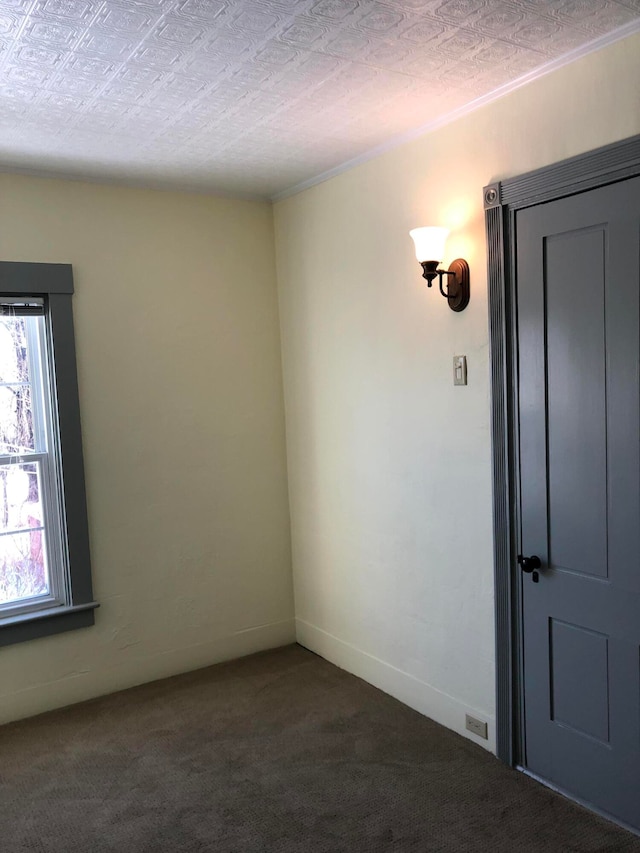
<point x="580" y="703"/>
<point x="578" y="282"/>
<point x="576" y="395"/>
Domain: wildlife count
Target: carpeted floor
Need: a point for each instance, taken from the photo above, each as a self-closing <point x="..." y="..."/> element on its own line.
<point x="279" y="752"/>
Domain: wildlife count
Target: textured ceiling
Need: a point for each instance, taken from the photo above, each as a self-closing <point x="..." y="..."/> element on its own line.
<point x="256" y="96"/>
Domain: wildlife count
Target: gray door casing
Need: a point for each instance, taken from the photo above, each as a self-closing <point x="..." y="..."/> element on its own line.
<point x="503" y="200"/>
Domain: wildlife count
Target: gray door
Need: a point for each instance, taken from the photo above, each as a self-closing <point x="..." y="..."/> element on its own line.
<point x="578" y="283"/>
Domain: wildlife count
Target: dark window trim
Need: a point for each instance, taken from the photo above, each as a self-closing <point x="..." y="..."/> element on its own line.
<point x="502" y="199"/>
<point x="55" y="281"/>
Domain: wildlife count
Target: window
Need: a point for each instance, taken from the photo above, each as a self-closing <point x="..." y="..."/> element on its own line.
<point x="45" y="575"/>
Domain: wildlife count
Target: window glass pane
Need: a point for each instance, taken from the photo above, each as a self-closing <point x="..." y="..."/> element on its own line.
<point x="20" y="497"/>
<point x="21" y="413"/>
<point x="23" y="570"/>
<point x="16" y="420"/>
<point x="23" y="565"/>
<point x="14" y="365"/>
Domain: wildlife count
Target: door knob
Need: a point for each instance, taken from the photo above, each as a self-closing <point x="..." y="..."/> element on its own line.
<point x="529" y="564"/>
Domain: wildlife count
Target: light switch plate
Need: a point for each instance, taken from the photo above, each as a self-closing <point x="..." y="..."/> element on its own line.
<point x="459" y="370"/>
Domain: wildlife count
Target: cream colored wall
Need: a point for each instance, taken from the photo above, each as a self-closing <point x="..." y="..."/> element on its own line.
<point x="389" y="464"/>
<point x="181" y="401"/>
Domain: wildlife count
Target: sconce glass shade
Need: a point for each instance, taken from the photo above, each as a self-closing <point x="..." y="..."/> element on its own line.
<point x="429" y="242"/>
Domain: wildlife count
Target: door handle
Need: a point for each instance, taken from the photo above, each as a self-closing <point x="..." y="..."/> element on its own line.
<point x="529" y="564"/>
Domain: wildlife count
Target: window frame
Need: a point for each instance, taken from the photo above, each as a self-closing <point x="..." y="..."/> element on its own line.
<point x="54" y="282"/>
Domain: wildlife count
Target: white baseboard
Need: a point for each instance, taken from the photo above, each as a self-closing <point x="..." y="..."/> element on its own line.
<point x="422" y="697"/>
<point x="92" y="683"/>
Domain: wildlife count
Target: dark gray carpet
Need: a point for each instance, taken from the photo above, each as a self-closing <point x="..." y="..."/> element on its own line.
<point x="278" y="752"/>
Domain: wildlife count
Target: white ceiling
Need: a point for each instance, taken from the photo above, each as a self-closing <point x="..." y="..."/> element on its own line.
<point x="258" y="96"/>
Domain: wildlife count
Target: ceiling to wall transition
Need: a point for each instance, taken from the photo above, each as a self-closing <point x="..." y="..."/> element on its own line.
<point x="259" y="96"/>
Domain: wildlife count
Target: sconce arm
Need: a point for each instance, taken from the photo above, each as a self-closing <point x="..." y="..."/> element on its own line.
<point x="441" y="274"/>
<point x="458" y="294"/>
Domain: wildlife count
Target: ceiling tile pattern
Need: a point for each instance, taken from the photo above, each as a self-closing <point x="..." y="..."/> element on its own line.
<point x="255" y="96"/>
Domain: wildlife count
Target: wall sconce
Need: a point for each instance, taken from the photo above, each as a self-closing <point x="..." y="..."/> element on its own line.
<point x="429" y="245"/>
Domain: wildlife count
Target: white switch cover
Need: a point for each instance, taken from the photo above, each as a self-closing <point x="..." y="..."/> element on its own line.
<point x="459" y="370"/>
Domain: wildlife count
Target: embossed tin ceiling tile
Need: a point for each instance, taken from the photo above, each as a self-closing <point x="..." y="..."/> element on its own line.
<point x="129" y="93"/>
<point x="462" y="44"/>
<point x="500" y="21"/>
<point x="577" y="9"/>
<point x="111" y="47"/>
<point x="303" y="32"/>
<point x="276" y="53"/>
<point x="390" y="83"/>
<point x="49" y="32"/>
<point x="228" y="44"/>
<point x="177" y="33"/>
<point x="126" y="20"/>
<point x="65" y="103"/>
<point x="494" y="77"/>
<point x="317" y="66"/>
<point x="260" y="112"/>
<point x="99" y="123"/>
<point x="252" y="20"/>
<point x="608" y="17"/>
<point x="21" y="93"/>
<point x="164" y="101"/>
<point x="91" y="66"/>
<point x="459" y="74"/>
<point x="141" y="75"/>
<point x="77" y="10"/>
<point x="157" y="57"/>
<point x="569" y="38"/>
<point x="524" y="61"/>
<point x="495" y="53"/>
<point x="154" y="7"/>
<point x="423" y="32"/>
<point x="40" y="56"/>
<point x="28" y="74"/>
<point x="354" y="77"/>
<point x="348" y="44"/>
<point x="419" y="6"/>
<point x="535" y="32"/>
<point x="74" y="85"/>
<point x="289" y="86"/>
<point x="13" y="109"/>
<point x="335" y="10"/>
<point x="254" y="75"/>
<point x="10" y="24"/>
<point x="208" y="65"/>
<point x="460" y="10"/>
<point x="111" y="108"/>
<point x="207" y="9"/>
<point x="381" y="20"/>
<point x="426" y="66"/>
<point x="188" y="87"/>
<point x="17" y="5"/>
